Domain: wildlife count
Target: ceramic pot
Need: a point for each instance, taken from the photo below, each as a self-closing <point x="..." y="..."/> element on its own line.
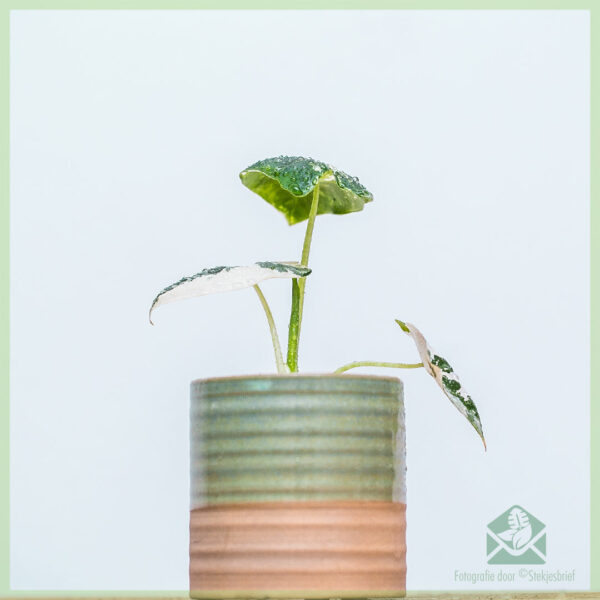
<point x="297" y="487"/>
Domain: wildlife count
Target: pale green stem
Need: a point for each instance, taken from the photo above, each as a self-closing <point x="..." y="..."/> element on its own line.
<point x="292" y="354"/>
<point x="314" y="207"/>
<point x="298" y="288"/>
<point x="281" y="368"/>
<point x="370" y="363"/>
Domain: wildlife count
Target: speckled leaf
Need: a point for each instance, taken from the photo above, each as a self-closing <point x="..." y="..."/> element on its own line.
<point x="288" y="182"/>
<point x="226" y="279"/>
<point x="439" y="368"/>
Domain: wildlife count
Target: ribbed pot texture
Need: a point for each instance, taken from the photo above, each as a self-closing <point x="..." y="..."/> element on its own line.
<point x="297" y="487"/>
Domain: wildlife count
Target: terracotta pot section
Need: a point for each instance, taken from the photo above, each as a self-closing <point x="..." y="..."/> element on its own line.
<point x="297" y="487"/>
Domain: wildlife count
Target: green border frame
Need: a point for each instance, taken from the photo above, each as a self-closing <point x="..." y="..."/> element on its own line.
<point x="593" y="6"/>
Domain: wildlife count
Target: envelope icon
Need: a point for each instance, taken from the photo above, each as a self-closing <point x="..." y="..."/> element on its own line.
<point x="516" y="537"/>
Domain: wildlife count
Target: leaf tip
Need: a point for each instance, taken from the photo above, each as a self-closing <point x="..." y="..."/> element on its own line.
<point x="403" y="325"/>
<point x="150" y="313"/>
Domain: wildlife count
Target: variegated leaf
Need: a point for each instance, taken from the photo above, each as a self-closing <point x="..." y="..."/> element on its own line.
<point x="288" y="182"/>
<point x="439" y="368"/>
<point x="226" y="279"/>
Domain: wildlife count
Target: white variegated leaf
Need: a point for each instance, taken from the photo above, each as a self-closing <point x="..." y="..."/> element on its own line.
<point x="439" y="368"/>
<point x="226" y="279"/>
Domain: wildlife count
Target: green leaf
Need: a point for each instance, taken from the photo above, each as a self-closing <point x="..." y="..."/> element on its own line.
<point x="226" y="279"/>
<point x="439" y="368"/>
<point x="288" y="182"/>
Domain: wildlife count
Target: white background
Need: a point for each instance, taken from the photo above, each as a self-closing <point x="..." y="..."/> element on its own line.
<point x="128" y="131"/>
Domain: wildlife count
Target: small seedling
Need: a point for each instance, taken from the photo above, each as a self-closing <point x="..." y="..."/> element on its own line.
<point x="302" y="188"/>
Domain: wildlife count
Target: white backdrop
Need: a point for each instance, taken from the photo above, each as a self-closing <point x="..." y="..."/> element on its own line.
<point x="128" y="131"/>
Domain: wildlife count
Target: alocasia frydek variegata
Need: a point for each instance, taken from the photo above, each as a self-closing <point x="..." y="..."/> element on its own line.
<point x="302" y="189"/>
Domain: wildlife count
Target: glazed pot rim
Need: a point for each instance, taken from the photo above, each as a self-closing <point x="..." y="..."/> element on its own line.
<point x="292" y="376"/>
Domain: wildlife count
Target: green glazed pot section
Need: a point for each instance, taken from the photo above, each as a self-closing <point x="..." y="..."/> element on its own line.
<point x="297" y="438"/>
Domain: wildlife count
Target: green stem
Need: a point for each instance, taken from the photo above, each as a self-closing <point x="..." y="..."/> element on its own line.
<point x="298" y="288"/>
<point x="292" y="355"/>
<point x="310" y="226"/>
<point x="281" y="368"/>
<point x="370" y="363"/>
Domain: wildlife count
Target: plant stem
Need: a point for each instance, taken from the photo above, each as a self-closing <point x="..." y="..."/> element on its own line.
<point x="310" y="226"/>
<point x="281" y="368"/>
<point x="370" y="363"/>
<point x="298" y="288"/>
<point x="293" y="332"/>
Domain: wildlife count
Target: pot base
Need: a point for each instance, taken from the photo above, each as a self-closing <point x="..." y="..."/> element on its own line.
<point x="324" y="549"/>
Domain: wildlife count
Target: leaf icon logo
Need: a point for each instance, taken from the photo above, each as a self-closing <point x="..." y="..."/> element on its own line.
<point x="516" y="537"/>
<point x="520" y="529"/>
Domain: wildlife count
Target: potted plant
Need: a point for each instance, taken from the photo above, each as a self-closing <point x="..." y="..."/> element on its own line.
<point x="298" y="481"/>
